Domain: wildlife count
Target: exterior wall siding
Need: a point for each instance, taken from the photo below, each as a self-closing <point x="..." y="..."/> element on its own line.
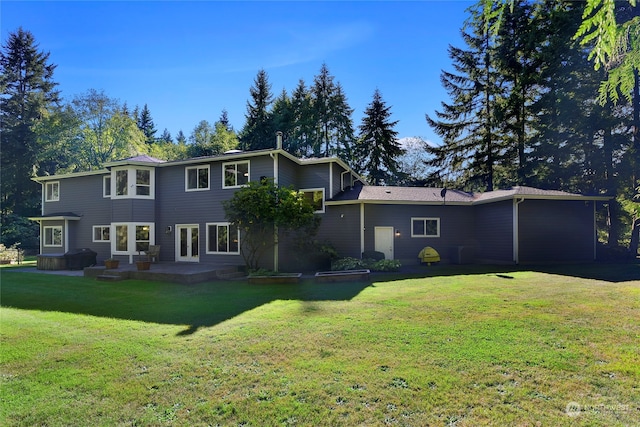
<point x="555" y="231"/>
<point x="340" y="227"/>
<point x="456" y="229"/>
<point x="494" y="232"/>
<point x="82" y="196"/>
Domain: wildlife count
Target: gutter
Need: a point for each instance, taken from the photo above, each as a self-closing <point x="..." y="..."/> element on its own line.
<point x="516" y="237"/>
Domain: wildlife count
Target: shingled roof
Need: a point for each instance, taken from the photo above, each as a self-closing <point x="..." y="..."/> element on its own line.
<point x="435" y="195"/>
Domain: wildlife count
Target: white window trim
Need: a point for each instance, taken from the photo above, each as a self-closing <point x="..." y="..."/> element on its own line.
<point x="217" y="224"/>
<point x="131" y="183"/>
<point x="47" y="193"/>
<point x="44" y="236"/>
<point x="197" y="168"/>
<point x="93" y="233"/>
<point x="224" y="166"/>
<point x="105" y="186"/>
<point x="131" y="236"/>
<point x="425" y="219"/>
<point x="310" y="190"/>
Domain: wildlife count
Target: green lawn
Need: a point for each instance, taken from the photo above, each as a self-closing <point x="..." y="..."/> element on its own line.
<point x="466" y="346"/>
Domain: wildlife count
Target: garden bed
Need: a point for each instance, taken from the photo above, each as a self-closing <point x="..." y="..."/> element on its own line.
<point x="343" y="276"/>
<point x="276" y="278"/>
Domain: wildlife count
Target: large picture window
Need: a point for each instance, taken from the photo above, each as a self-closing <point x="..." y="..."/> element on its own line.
<point x="235" y="174"/>
<point x="425" y="227"/>
<point x="53" y="236"/>
<point x="315" y="196"/>
<point x="223" y="238"/>
<point x="197" y="178"/>
<point x="133" y="182"/>
<point x="52" y="191"/>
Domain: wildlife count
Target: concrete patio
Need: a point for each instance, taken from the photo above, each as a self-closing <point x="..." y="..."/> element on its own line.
<point x="185" y="273"/>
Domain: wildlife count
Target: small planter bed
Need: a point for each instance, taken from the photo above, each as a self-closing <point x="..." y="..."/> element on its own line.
<point x="275" y="278"/>
<point x="343" y="276"/>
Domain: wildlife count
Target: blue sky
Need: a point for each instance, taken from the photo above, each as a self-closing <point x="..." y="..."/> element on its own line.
<point x="190" y="60"/>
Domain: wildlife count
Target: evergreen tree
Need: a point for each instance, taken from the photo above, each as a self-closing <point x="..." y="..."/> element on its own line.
<point x="28" y="92"/>
<point x="331" y="115"/>
<point x="166" y="136"/>
<point x="180" y="138"/>
<point x="258" y="132"/>
<point x="378" y="148"/>
<point x="467" y="125"/>
<point x="299" y="142"/>
<point x="224" y="120"/>
<point x="146" y="125"/>
<point x="322" y="91"/>
<point x="282" y="116"/>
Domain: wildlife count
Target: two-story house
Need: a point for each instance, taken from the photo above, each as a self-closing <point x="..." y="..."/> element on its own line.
<point x="120" y="210"/>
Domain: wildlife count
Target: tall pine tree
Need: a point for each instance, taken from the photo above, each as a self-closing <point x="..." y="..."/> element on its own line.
<point x="377" y="147"/>
<point x="467" y="125"/>
<point x="28" y="91"/>
<point x="258" y="132"/>
<point x="146" y="125"/>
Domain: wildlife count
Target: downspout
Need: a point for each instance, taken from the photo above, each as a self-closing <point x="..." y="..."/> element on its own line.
<point x="331" y="179"/>
<point x="66" y="235"/>
<point x="516" y="238"/>
<point x="361" y="228"/>
<point x="595" y="233"/>
<point x="342" y="180"/>
<point x="276" y="249"/>
<point x="42" y="214"/>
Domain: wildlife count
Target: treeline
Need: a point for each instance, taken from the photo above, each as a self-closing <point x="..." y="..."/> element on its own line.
<point x="525" y="109"/>
<point x="42" y="135"/>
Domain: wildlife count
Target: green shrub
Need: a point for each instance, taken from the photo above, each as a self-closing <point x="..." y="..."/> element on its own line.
<point x="369" y="263"/>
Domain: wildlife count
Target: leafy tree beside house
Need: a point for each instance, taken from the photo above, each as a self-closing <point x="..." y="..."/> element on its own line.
<point x="261" y="210"/>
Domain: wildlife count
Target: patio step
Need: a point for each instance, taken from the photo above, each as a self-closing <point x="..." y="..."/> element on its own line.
<point x="229" y="273"/>
<point x="109" y="278"/>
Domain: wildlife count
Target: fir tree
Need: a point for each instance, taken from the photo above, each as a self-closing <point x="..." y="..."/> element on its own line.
<point x="28" y="91"/>
<point x="377" y="147"/>
<point x="258" y="132"/>
<point x="146" y="125"/>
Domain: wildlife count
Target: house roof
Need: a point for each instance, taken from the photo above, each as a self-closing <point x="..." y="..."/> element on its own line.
<point x="434" y="195"/>
<point x="388" y="194"/>
<point x="57" y="216"/>
<point x="141" y="159"/>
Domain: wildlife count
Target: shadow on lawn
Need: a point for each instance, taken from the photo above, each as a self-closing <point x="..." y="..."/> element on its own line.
<point x="211" y="303"/>
<point x="201" y="305"/>
<point x="608" y="272"/>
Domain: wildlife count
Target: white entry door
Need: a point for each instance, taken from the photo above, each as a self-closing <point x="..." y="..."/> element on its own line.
<point x="384" y="241"/>
<point x="187" y="243"/>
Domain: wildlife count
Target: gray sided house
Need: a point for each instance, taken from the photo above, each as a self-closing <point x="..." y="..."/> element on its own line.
<point x="121" y="210"/>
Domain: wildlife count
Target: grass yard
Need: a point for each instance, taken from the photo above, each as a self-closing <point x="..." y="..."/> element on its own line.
<point x="467" y="347"/>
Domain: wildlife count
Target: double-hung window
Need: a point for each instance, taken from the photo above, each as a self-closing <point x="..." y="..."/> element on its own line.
<point x="52" y="191"/>
<point x="53" y="236"/>
<point x="106" y="186"/>
<point x="223" y="238"/>
<point x="315" y="196"/>
<point x="425" y="227"/>
<point x="101" y="233"/>
<point x="235" y="174"/>
<point x="197" y="178"/>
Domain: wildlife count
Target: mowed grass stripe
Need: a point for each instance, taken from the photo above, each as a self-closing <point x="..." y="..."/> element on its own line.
<point x="513" y="348"/>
